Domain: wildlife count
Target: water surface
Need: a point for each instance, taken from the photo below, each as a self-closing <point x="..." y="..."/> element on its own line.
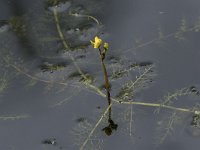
<point x="56" y="111"/>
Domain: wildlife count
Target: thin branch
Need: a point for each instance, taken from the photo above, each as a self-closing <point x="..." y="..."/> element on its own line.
<point x="67" y="99"/>
<point x="156" y="39"/>
<point x="14" y="117"/>
<point x="154" y="105"/>
<point x="140" y="77"/>
<point x="131" y="121"/>
<point x="94" y="128"/>
<point x="87" y="16"/>
<point x="31" y="76"/>
<point x="169" y="127"/>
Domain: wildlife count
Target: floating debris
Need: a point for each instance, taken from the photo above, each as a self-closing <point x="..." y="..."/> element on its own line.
<point x="141" y="64"/>
<point x="50" y="141"/>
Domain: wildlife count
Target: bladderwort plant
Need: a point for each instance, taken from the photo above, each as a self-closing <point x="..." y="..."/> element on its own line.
<point x="125" y="93"/>
<point x="97" y="43"/>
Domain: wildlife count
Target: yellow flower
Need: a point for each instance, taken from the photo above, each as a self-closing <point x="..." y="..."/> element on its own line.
<point x="105" y="46"/>
<point x="97" y="42"/>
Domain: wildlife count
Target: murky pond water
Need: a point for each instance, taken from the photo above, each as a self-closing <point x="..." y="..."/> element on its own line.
<point x="52" y="92"/>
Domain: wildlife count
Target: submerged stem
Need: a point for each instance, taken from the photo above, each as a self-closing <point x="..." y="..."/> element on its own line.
<point x="31" y="76"/>
<point x="66" y="46"/>
<point x="55" y="13"/>
<point x="96" y="125"/>
<point x="155" y="105"/>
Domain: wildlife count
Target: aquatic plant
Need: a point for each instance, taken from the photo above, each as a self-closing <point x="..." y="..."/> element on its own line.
<point x="119" y="88"/>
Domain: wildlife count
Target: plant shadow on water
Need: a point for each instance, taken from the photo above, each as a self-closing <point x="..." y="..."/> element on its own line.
<point x="51" y="49"/>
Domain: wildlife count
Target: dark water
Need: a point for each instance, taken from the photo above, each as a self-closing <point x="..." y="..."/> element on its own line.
<point x="47" y="108"/>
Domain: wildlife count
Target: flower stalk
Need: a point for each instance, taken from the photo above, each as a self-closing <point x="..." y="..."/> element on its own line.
<point x="102" y="53"/>
<point x="97" y="44"/>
